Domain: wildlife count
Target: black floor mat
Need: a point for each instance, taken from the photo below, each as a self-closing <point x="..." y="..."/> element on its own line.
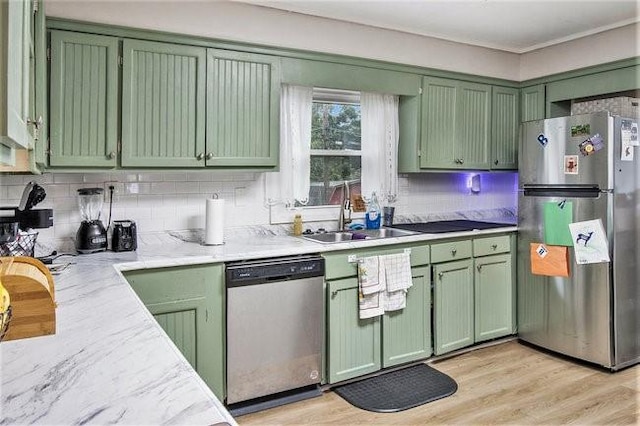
<point x="398" y="390"/>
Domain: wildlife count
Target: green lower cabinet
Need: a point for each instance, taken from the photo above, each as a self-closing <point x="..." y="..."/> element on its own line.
<point x="453" y="316"/>
<point x="357" y="347"/>
<point x="188" y="303"/>
<point x="353" y="344"/>
<point x="406" y="333"/>
<point x="493" y="297"/>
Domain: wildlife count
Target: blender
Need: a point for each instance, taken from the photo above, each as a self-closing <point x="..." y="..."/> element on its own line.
<point x="92" y="235"/>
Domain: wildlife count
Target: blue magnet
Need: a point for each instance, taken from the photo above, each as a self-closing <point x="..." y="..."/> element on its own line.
<point x="543" y="141"/>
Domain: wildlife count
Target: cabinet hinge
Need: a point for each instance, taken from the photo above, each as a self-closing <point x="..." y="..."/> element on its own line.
<point x="49" y="54"/>
<point x="36" y="6"/>
<point x="120" y="61"/>
<point x="47" y="149"/>
<point x="119" y="147"/>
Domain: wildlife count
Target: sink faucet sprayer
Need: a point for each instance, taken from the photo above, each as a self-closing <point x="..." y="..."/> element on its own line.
<point x="345" y="205"/>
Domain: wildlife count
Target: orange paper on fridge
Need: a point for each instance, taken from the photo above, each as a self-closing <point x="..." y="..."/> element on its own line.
<point x="548" y="260"/>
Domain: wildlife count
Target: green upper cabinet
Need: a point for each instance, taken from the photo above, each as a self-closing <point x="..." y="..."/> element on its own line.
<point x="243" y="109"/>
<point x="532" y="105"/>
<point x="473" y="126"/>
<point x="505" y="124"/>
<point x="84" y="100"/>
<point x="455" y="125"/>
<point x="439" y="109"/>
<point x="16" y="66"/>
<point x="163" y="104"/>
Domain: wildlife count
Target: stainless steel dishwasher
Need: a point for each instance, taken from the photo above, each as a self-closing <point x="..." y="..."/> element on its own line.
<point x="275" y="326"/>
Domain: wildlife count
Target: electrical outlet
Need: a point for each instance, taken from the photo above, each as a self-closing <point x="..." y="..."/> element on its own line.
<point x="117" y="187"/>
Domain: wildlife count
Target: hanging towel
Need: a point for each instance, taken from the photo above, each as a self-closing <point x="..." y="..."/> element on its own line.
<point x="371" y="286"/>
<point x="369" y="275"/>
<point x="397" y="269"/>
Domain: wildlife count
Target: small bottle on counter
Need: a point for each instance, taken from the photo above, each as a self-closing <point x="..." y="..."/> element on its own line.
<point x="297" y="224"/>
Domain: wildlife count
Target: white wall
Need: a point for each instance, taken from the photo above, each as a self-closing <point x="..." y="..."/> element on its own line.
<point x="160" y="201"/>
<point x="255" y="24"/>
<point x="608" y="46"/>
<point x="260" y="25"/>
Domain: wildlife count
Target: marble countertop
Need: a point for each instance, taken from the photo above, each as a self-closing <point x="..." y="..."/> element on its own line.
<point x="109" y="361"/>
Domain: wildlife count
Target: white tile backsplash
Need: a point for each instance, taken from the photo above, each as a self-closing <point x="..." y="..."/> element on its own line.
<point x="160" y="201"/>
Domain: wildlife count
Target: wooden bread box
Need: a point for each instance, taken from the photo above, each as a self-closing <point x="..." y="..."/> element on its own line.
<point x="31" y="289"/>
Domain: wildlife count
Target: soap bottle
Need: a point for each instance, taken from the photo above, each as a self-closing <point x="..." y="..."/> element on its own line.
<point x="373" y="216"/>
<point x="297" y="224"/>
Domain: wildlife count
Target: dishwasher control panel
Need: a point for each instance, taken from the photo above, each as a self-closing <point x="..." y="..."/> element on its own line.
<point x="279" y="269"/>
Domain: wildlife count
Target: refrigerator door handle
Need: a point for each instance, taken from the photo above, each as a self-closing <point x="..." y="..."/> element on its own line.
<point x="569" y="191"/>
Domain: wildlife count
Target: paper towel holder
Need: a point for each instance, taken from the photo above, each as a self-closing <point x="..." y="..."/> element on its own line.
<point x="214" y="231"/>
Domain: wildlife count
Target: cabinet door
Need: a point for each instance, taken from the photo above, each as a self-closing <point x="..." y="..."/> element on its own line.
<point x="16" y="50"/>
<point x="472" y="126"/>
<point x="188" y="304"/>
<point x="439" y="109"/>
<point x="163" y="105"/>
<point x="406" y="333"/>
<point x="532" y="103"/>
<point x="505" y="122"/>
<point x="493" y="297"/>
<point x="353" y="347"/>
<point x="243" y="109"/>
<point x="84" y="97"/>
<point x="453" y="306"/>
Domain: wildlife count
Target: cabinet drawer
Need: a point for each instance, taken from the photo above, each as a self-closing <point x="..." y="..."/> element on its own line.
<point x="453" y="250"/>
<point x="337" y="265"/>
<point x="491" y="245"/>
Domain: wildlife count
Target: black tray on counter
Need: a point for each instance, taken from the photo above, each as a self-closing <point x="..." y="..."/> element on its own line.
<point x="440" y="227"/>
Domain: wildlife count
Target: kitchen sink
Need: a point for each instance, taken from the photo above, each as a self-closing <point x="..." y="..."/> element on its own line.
<point x="364" y="234"/>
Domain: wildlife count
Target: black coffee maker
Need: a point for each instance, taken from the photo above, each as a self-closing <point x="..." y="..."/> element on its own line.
<point x="92" y="235"/>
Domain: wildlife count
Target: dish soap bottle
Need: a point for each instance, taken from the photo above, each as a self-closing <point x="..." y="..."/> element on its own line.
<point x="297" y="225"/>
<point x="372" y="217"/>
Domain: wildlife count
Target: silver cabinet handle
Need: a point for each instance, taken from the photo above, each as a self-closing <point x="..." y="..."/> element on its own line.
<point x="200" y="157"/>
<point x="111" y="155"/>
<point x="462" y="161"/>
<point x="496" y="162"/>
<point x="494" y="246"/>
<point x="457" y="161"/>
<point x="453" y="252"/>
<point x="334" y="293"/>
<point x="479" y="267"/>
<point x="209" y="156"/>
<point x="440" y="275"/>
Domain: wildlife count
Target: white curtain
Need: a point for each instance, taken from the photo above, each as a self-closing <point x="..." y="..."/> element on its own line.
<point x="380" y="135"/>
<point x="291" y="183"/>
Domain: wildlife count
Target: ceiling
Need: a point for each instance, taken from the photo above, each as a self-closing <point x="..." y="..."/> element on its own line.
<point x="517" y="26"/>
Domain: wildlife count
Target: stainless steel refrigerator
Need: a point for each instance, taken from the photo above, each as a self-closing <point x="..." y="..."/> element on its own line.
<point x="574" y="169"/>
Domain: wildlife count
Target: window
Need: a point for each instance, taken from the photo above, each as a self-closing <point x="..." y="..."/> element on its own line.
<point x="335" y="145"/>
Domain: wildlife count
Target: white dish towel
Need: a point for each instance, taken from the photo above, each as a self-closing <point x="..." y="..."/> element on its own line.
<point x="371" y="287"/>
<point x="397" y="269"/>
<point x="383" y="282"/>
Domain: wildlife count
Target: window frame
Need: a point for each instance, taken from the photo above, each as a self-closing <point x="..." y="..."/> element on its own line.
<point x="282" y="215"/>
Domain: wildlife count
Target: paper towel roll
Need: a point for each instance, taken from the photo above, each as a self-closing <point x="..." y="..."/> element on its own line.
<point x="214" y="222"/>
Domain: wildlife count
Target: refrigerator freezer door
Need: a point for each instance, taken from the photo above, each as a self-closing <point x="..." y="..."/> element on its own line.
<point x="553" y="151"/>
<point x="567" y="315"/>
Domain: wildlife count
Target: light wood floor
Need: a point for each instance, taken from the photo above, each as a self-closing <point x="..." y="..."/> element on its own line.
<point x="505" y="384"/>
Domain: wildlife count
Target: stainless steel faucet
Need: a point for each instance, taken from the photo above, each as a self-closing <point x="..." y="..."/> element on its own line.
<point x="345" y="205"/>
